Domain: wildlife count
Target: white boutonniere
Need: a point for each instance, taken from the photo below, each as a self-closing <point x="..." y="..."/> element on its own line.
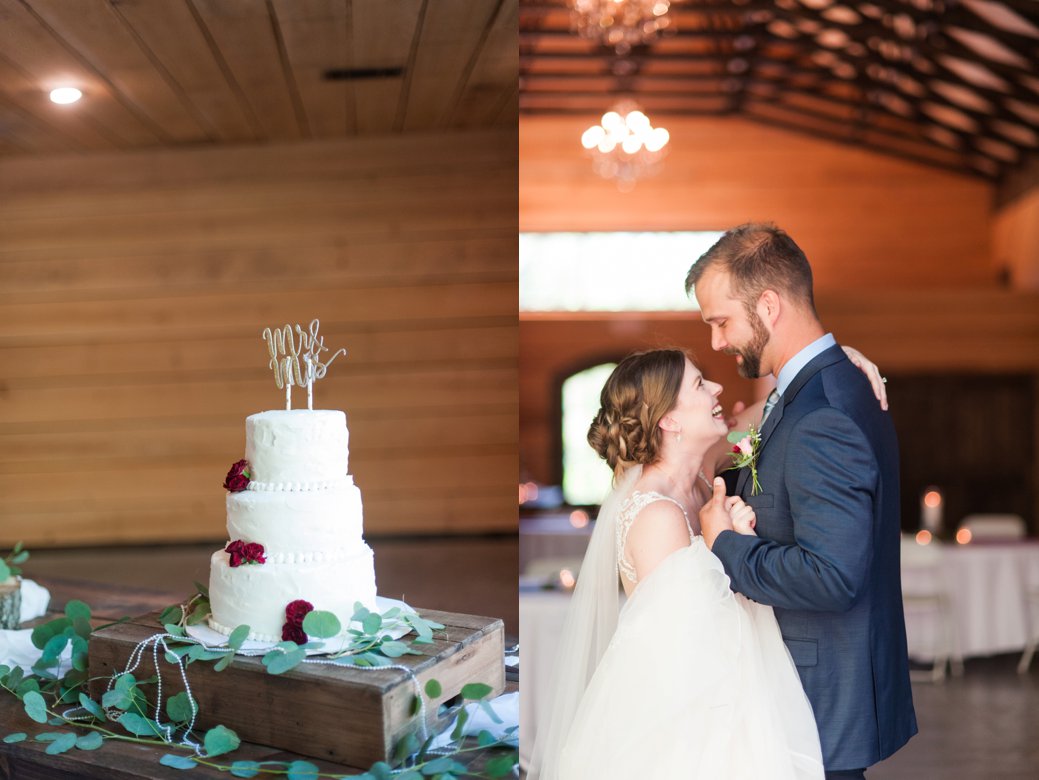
<point x="746" y="445"/>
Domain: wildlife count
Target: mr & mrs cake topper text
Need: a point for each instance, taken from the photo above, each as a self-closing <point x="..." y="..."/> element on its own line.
<point x="287" y="346"/>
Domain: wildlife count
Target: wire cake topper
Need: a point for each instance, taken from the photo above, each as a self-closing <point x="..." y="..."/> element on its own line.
<point x="286" y="350"/>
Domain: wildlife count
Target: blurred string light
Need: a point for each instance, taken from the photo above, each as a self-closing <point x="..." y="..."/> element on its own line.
<point x="620" y="24"/>
<point x="625" y="147"/>
<point x="65" y="95"/>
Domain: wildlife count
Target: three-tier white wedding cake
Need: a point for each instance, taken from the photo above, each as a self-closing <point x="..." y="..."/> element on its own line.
<point x="295" y="527"/>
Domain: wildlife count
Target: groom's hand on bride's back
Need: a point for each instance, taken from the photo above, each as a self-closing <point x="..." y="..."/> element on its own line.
<point x="714" y="516"/>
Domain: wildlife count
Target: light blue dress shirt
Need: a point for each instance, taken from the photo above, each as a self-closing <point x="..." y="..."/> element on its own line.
<point x="802" y="359"/>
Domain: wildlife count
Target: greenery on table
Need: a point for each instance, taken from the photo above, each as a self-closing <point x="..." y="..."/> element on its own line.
<point x="10" y="565"/>
<point x="124" y="712"/>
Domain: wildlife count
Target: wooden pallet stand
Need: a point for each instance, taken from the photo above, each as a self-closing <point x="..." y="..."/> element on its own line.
<point x="351" y="716"/>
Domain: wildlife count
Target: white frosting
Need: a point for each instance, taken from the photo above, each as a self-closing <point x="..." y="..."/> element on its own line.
<point x="302" y="446"/>
<point x="287" y="523"/>
<point x="256" y="594"/>
<point x="305" y="510"/>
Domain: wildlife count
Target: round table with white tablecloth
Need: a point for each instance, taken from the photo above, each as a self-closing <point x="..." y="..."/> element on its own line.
<point x="986" y="586"/>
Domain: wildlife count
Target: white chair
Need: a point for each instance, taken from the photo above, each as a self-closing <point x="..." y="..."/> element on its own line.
<point x="994" y="527"/>
<point x="926" y="594"/>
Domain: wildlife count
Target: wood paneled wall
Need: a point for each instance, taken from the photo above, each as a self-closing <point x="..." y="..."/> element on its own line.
<point x="866" y="220"/>
<point x="911" y="334"/>
<point x="134" y="288"/>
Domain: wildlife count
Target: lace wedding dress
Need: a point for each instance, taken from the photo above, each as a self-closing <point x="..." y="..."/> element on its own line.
<point x="694" y="682"/>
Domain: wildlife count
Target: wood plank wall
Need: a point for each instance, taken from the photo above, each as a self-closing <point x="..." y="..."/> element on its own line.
<point x="866" y="220"/>
<point x="134" y="288"/>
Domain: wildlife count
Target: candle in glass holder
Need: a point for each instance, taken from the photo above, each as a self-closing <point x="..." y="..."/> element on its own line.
<point x="931" y="510"/>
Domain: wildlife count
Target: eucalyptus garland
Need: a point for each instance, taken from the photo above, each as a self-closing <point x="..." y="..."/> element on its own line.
<point x="125" y="713"/>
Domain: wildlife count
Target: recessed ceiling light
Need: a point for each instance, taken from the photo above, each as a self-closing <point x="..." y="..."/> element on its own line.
<point x="65" y="95"/>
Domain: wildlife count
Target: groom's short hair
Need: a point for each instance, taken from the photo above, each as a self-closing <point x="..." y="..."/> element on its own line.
<point x="758" y="256"/>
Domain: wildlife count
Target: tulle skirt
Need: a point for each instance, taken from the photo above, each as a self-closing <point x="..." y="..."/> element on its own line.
<point x="696" y="683"/>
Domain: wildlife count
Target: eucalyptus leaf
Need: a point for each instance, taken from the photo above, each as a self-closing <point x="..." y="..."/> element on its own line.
<point x="223" y="663"/>
<point x="202" y="589"/>
<point x="26" y="685"/>
<point x="118" y="699"/>
<point x="237" y="637"/>
<point x="321" y="624"/>
<point x="416" y="706"/>
<point x="245" y="769"/>
<point x="48" y="736"/>
<point x="302" y="770"/>
<point x="125" y="683"/>
<point x="44" y="632"/>
<point x="177" y="762"/>
<point x="77" y="608"/>
<point x="18" y="736"/>
<point x="18" y="546"/>
<point x="180" y="707"/>
<point x="372" y="623"/>
<point x="14" y="677"/>
<point x="220" y="740"/>
<point x="459" y="729"/>
<point x="139" y="725"/>
<point x="175" y="630"/>
<point x="438" y="766"/>
<point x="35" y="706"/>
<point x="475" y="691"/>
<point x="20" y="557"/>
<point x="91" y="741"/>
<point x="199" y="613"/>
<point x="405" y="746"/>
<point x="433" y="688"/>
<point x="411" y="774"/>
<point x="173" y="614"/>
<point x="499" y="766"/>
<point x="380" y="770"/>
<point x="91" y="706"/>
<point x="489" y="711"/>
<point x="282" y="662"/>
<point x="485" y="738"/>
<point x="62" y="744"/>
<point x="5" y="570"/>
<point x="394" y="649"/>
<point x="79" y="662"/>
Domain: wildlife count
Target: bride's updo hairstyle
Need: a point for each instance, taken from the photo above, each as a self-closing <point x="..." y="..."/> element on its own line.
<point x="640" y="391"/>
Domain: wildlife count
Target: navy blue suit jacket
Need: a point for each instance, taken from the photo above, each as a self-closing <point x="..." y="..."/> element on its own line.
<point x="826" y="557"/>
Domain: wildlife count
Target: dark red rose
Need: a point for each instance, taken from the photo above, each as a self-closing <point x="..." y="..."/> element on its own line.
<point x="245" y="552"/>
<point x="290" y="632"/>
<point x="297" y="610"/>
<point x="237" y="478"/>
<point x="736" y="449"/>
<point x="254" y="553"/>
<point x="237" y="552"/>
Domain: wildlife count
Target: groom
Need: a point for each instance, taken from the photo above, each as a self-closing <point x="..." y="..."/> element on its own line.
<point x="826" y="554"/>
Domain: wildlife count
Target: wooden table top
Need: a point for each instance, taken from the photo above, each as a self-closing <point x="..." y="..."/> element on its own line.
<point x="118" y="760"/>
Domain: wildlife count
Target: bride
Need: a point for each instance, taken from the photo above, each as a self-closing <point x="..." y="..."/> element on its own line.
<point x="689" y="679"/>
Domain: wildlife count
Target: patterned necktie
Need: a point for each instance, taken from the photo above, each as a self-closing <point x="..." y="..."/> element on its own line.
<point x="770" y="403"/>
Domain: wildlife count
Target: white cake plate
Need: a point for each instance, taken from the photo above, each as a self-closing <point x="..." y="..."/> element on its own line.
<point x="212" y="638"/>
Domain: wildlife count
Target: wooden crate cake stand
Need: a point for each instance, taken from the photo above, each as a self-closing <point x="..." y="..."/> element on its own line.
<point x="351" y="716"/>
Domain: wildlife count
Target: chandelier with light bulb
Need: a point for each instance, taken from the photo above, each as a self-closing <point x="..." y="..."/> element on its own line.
<point x="620" y="24"/>
<point x="625" y="146"/>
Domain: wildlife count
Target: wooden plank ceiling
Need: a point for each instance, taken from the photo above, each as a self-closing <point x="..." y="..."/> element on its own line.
<point x="171" y="73"/>
<point x="952" y="83"/>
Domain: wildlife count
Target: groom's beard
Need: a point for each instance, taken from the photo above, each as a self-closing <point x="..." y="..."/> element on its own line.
<point x="750" y="366"/>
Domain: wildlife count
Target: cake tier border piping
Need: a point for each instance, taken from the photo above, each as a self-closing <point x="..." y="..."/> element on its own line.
<point x="300" y="487"/>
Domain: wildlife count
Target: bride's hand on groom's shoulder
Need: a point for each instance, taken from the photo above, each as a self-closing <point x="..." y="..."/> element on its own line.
<point x="872" y="372"/>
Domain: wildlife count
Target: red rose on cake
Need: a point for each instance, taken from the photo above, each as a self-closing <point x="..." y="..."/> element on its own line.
<point x="237" y="478"/>
<point x="293" y="631"/>
<point x="245" y="552"/>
